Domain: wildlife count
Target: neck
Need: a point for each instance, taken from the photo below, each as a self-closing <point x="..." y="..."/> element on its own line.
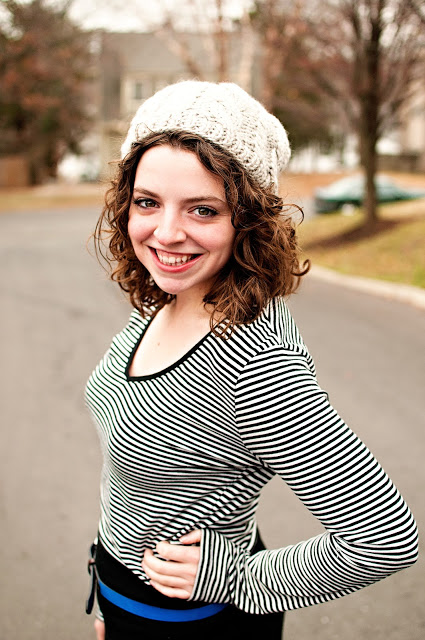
<point x="187" y="310"/>
<point x="186" y="316"/>
<point x="190" y="303"/>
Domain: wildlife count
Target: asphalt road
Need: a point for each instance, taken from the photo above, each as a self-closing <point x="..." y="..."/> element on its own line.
<point x="58" y="315"/>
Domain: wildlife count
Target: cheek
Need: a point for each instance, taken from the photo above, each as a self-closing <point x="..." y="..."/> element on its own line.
<point x="137" y="229"/>
<point x="228" y="240"/>
<point x="219" y="244"/>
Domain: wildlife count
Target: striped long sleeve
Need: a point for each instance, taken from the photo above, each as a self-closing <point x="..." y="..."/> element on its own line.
<point x="285" y="419"/>
<point x="191" y="446"/>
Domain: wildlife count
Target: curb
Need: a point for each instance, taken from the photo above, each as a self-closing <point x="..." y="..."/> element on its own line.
<point x="409" y="294"/>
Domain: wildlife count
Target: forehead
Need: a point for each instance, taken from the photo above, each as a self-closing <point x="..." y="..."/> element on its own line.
<point x="164" y="165"/>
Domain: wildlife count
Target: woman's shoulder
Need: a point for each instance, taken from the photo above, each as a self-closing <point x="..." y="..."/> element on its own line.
<point x="274" y="330"/>
<point x="274" y="340"/>
<point x="275" y="326"/>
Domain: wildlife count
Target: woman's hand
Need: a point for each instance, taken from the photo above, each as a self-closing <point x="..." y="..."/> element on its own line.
<point x="175" y="575"/>
<point x="99" y="627"/>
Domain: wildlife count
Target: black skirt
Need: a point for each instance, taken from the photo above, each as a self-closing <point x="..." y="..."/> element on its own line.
<point x="229" y="624"/>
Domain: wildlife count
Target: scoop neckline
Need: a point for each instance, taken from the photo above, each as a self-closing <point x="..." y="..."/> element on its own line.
<point x="162" y="372"/>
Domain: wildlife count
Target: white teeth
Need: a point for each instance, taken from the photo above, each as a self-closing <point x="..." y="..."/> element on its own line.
<point x="173" y="260"/>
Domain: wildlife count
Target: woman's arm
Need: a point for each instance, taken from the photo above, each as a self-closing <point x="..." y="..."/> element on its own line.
<point x="285" y="419"/>
<point x="99" y="628"/>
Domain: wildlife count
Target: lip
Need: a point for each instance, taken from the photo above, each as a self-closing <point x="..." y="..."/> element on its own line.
<point x="180" y="268"/>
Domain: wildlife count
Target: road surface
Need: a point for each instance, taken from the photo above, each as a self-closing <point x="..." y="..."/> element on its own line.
<point x="58" y="315"/>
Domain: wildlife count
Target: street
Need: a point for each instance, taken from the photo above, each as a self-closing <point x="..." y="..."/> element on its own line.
<point x="59" y="313"/>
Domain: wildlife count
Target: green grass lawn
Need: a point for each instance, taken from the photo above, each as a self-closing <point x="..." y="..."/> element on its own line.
<point x="394" y="251"/>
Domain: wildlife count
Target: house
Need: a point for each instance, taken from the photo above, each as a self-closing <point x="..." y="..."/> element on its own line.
<point x="133" y="66"/>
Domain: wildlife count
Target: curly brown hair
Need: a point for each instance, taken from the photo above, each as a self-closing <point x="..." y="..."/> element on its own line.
<point x="265" y="259"/>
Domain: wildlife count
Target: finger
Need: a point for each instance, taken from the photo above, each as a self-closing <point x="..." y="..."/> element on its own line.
<point x="167" y="580"/>
<point x="193" y="537"/>
<point x="178" y="552"/>
<point x="148" y="553"/>
<point x="182" y="594"/>
<point x="186" y="570"/>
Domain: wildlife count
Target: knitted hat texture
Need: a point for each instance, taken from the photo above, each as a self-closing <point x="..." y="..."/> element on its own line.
<point x="222" y="113"/>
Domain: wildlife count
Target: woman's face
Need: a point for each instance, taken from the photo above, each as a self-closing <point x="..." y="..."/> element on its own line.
<point x="179" y="221"/>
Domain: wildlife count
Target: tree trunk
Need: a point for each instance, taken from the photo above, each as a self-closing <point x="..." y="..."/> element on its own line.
<point x="245" y="73"/>
<point x="368" y="76"/>
<point x="369" y="162"/>
<point x="271" y="58"/>
<point x="221" y="45"/>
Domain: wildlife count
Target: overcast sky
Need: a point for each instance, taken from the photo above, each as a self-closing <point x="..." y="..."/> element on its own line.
<point x="137" y="15"/>
<point x="143" y="15"/>
<point x="116" y="15"/>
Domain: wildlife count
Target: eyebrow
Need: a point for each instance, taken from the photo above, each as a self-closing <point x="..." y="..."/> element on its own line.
<point x="207" y="198"/>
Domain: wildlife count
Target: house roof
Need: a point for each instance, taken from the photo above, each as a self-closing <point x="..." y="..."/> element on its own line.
<point x="149" y="52"/>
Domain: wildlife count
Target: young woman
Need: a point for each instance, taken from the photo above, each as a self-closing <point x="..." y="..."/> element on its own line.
<point x="209" y="391"/>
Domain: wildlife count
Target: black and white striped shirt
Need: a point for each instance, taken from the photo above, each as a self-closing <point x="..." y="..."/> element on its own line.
<point x="191" y="447"/>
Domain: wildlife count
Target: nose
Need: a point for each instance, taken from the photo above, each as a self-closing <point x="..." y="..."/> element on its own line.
<point x="169" y="229"/>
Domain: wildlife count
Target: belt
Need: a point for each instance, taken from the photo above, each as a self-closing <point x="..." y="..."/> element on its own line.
<point x="139" y="608"/>
<point x="157" y="613"/>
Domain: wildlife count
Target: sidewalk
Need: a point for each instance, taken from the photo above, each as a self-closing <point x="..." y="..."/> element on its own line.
<point x="391" y="290"/>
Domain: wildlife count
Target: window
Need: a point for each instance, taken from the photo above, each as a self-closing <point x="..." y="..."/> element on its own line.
<point x="138" y="91"/>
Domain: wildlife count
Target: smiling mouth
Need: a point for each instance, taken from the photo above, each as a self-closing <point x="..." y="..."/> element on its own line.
<point x="174" y="259"/>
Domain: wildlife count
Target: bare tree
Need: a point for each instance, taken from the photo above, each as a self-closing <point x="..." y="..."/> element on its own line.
<point x="268" y="36"/>
<point x="218" y="30"/>
<point x="249" y="40"/>
<point x="367" y="55"/>
<point x="178" y="43"/>
<point x="418" y="7"/>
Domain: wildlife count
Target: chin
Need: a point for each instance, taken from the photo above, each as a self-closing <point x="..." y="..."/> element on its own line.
<point x="171" y="288"/>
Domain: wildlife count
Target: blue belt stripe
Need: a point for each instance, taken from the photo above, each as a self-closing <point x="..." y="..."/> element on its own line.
<point x="157" y="613"/>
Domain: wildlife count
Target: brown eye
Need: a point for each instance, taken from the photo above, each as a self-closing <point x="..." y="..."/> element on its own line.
<point x="145" y="203"/>
<point x="206" y="212"/>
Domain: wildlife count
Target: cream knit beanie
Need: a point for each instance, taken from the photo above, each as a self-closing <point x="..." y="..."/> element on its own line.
<point x="221" y="113"/>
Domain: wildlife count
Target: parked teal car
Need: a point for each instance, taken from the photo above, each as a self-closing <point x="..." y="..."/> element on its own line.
<point x="351" y="190"/>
